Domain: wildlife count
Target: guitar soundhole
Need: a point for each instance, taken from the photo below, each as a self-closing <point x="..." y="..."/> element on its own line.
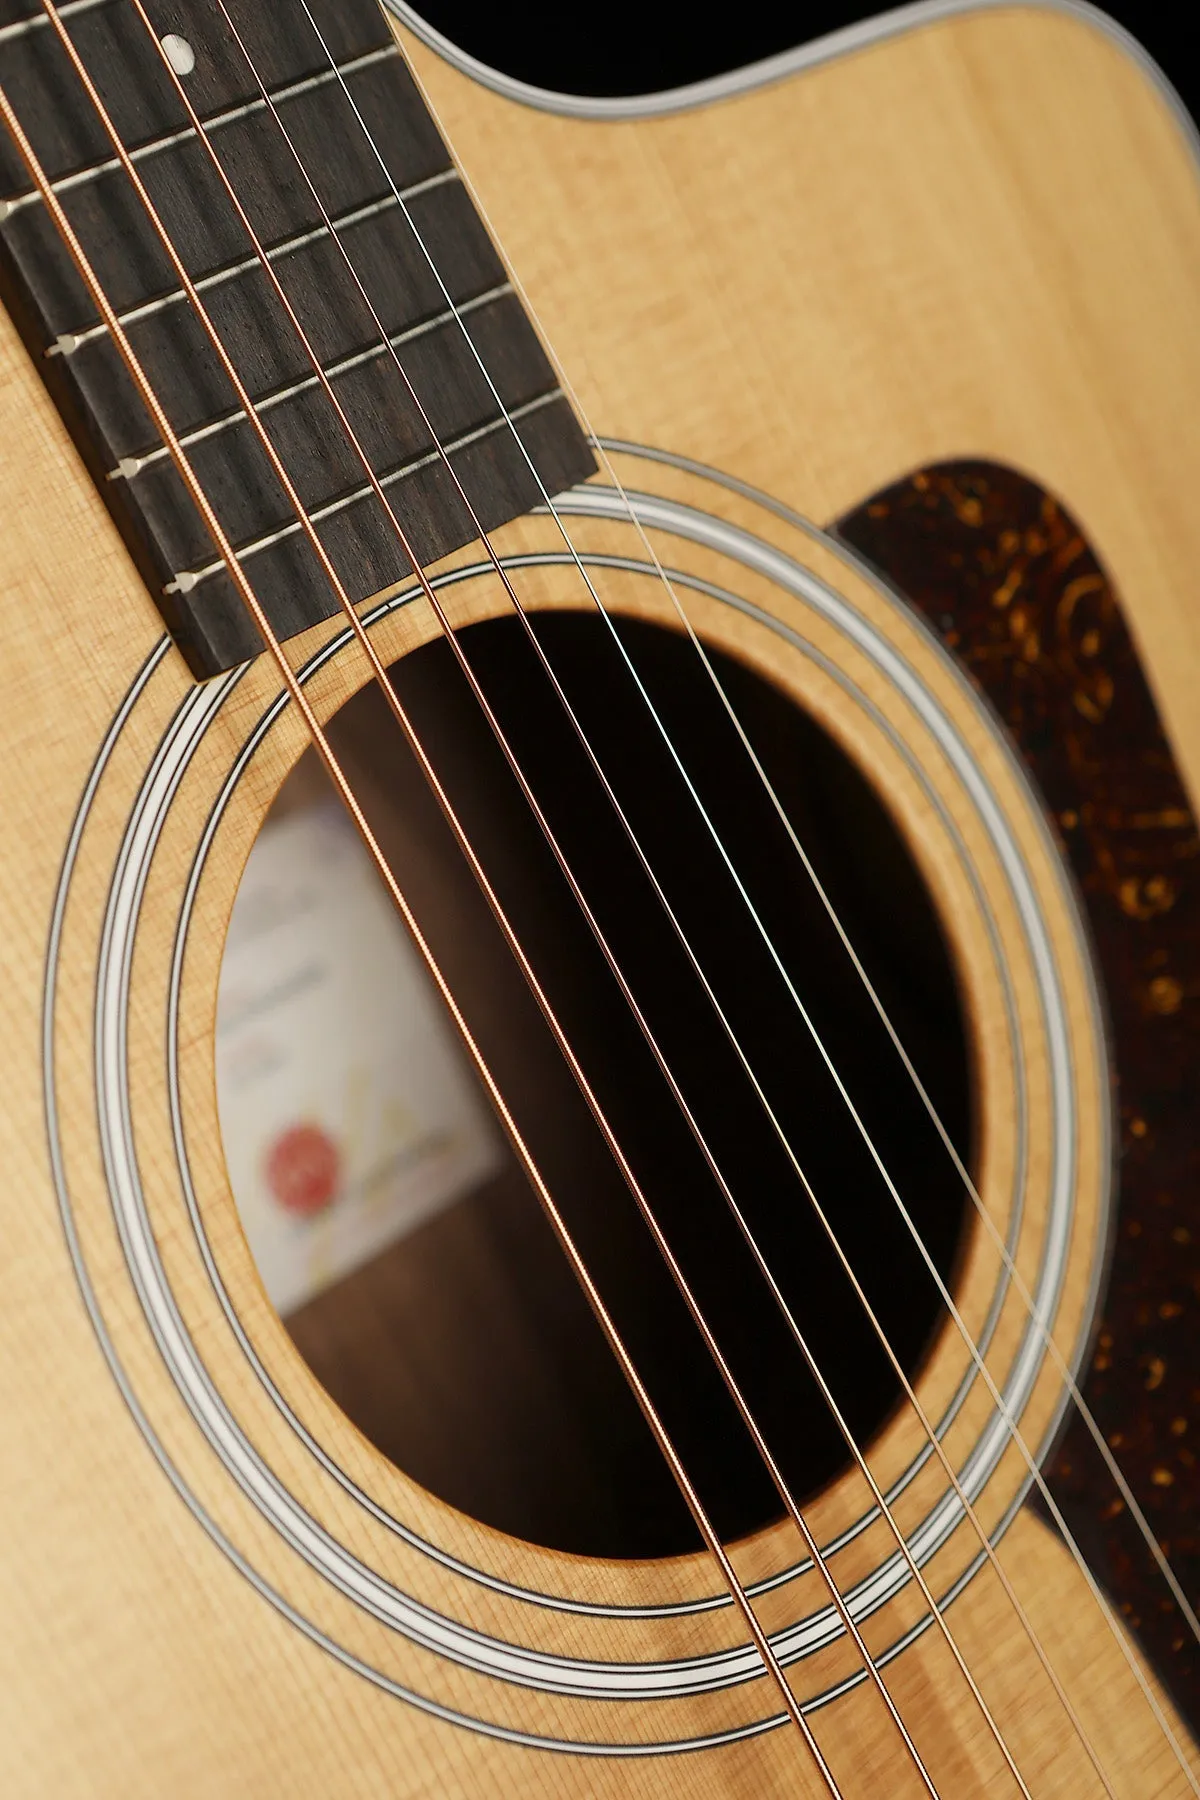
<point x="391" y="1223"/>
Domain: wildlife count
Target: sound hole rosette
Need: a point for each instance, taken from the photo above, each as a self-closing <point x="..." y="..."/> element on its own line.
<point x="784" y="597"/>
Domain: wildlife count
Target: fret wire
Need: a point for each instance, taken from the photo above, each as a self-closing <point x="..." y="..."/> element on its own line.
<point x="191" y="578"/>
<point x="67" y="342"/>
<point x="296" y="692"/>
<point x="129" y="466"/>
<point x="231" y="116"/>
<point x="210" y="631"/>
<point x="1089" y="1748"/>
<point x="648" y="1215"/>
<point x="559" y="1035"/>
<point x="204" y="430"/>
<point x="1031" y="1462"/>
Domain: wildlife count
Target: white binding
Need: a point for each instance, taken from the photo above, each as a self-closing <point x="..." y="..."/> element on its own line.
<point x="788" y="62"/>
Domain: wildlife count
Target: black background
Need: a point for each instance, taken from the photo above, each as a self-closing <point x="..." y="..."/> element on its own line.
<point x="656" y="45"/>
<point x="623" y="48"/>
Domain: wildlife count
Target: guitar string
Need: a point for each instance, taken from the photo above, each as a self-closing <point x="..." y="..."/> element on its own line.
<point x="244" y="399"/>
<point x="281" y="475"/>
<point x="1142" y="1523"/>
<point x="590" y="918"/>
<point x="1023" y="1290"/>
<point x="1006" y="1414"/>
<point x="561" y="1040"/>
<point x="689" y="1117"/>
<point x="1118" y="1476"/>
<point x="366" y="465"/>
<point x="753" y="1246"/>
<point x="340" y="782"/>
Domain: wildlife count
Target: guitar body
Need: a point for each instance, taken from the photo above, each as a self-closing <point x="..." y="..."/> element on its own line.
<point x="975" y="237"/>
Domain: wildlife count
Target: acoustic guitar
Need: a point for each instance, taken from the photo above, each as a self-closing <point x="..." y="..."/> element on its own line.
<point x="702" y="589"/>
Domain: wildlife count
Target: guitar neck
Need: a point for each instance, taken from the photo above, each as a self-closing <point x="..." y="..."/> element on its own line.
<point x="349" y="186"/>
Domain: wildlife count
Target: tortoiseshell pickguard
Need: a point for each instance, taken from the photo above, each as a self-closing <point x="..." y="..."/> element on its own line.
<point x="1004" y="575"/>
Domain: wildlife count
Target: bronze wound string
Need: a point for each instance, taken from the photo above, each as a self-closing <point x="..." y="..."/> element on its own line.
<point x="926" y="1426"/>
<point x="1023" y="1291"/>
<point x="337" y="776"/>
<point x="560" y="857"/>
<point x="851" y="1622"/>
<point x="560" y="1036"/>
<point x="605" y="449"/>
<point x="306" y="346"/>
<point x="739" y="1216"/>
<point x="789" y="1503"/>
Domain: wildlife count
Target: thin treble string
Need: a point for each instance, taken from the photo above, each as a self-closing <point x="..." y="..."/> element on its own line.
<point x="960" y="1167"/>
<point x="1013" y="1428"/>
<point x="600" y="1120"/>
<point x="1110" y="1460"/>
<point x="660" y="1239"/>
<point x="926" y="1099"/>
<point x="341" y="784"/>
<point x="984" y="1539"/>
<point x="1119" y="1478"/>
<point x="593" y="924"/>
<point x="548" y="500"/>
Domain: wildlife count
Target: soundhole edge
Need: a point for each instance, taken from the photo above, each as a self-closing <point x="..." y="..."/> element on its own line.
<point x="464" y="1350"/>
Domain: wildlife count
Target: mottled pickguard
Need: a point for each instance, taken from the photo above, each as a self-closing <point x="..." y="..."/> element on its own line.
<point x="1003" y="573"/>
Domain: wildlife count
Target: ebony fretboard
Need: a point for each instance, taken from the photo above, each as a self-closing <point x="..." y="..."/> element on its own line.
<point x="320" y="88"/>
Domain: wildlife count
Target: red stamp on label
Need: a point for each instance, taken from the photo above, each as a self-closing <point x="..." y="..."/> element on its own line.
<point x="303" y="1170"/>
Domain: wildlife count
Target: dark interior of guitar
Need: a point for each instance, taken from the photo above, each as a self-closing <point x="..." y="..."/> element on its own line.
<point x="465" y="1351"/>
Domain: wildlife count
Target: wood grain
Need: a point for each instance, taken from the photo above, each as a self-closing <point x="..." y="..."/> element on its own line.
<point x="428" y="381"/>
<point x="983" y="237"/>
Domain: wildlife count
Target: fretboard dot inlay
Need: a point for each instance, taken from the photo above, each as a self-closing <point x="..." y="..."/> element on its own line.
<point x="179" y="53"/>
